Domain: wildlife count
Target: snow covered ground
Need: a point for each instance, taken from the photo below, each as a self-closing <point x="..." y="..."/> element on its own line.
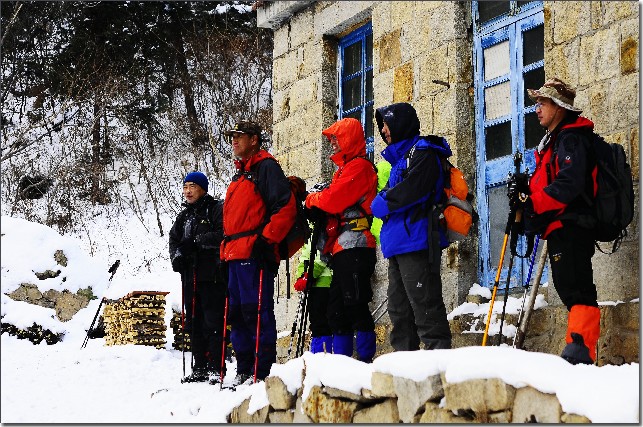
<point x="63" y="383"/>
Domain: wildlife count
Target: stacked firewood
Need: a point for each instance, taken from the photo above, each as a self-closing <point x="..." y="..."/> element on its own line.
<point x="137" y="318"/>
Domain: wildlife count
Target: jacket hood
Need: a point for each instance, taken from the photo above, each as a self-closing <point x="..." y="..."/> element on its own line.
<point x="580" y="122"/>
<point x="350" y="137"/>
<point x="402" y="121"/>
<point x="395" y="151"/>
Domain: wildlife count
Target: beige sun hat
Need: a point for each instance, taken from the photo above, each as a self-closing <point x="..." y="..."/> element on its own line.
<point x="558" y="91"/>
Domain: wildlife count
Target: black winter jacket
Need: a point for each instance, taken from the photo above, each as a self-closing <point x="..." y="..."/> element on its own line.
<point x="202" y="224"/>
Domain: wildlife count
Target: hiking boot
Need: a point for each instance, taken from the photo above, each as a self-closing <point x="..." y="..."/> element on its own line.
<point x="198" y="375"/>
<point x="241" y="379"/>
<point x="576" y="351"/>
<point x="214" y="378"/>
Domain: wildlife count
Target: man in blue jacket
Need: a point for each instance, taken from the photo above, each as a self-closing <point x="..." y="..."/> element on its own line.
<point x="411" y="238"/>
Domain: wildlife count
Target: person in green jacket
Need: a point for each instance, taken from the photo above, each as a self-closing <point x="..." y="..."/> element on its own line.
<point x="322" y="335"/>
<point x="383" y="171"/>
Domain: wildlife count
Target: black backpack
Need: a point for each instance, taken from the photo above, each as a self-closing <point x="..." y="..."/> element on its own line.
<point x="613" y="206"/>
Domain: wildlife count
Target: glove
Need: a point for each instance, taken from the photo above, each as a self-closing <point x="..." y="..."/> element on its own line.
<point x="187" y="247"/>
<point x="300" y="284"/>
<point x="264" y="253"/>
<point x="518" y="190"/>
<point x="205" y="240"/>
<point x="177" y="264"/>
<point x="319" y="187"/>
<point x="314" y="214"/>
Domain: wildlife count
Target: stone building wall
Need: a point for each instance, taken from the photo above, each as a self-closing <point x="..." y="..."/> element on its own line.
<point x="594" y="47"/>
<point x="415" y="44"/>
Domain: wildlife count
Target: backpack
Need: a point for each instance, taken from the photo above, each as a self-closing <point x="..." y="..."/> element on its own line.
<point x="456" y="213"/>
<point x="613" y="206"/>
<point x="299" y="233"/>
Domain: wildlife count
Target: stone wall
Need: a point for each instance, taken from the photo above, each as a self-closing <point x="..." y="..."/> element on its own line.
<point x="394" y="399"/>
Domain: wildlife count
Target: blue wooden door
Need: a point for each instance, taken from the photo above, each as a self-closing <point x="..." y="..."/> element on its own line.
<point x="508" y="59"/>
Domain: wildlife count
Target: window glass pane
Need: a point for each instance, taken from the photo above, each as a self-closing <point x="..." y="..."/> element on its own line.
<point x="521" y="3"/>
<point x="369" y="85"/>
<point x="498" y="140"/>
<point x="351" y="93"/>
<point x="355" y="115"/>
<point x="369" y="50"/>
<point x="497" y="101"/>
<point x="533" y="80"/>
<point x="368" y="129"/>
<point x="490" y="9"/>
<point x="352" y="58"/>
<point x="533" y="131"/>
<point x="496" y="60"/>
<point x="533" y="45"/>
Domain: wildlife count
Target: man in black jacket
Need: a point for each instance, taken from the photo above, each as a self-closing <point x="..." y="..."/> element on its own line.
<point x="194" y="244"/>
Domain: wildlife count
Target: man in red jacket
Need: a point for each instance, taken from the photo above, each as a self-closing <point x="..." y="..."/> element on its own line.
<point x="565" y="169"/>
<point x="258" y="211"/>
<point x="347" y="203"/>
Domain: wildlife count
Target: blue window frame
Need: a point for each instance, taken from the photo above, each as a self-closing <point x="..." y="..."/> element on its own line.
<point x="508" y="59"/>
<point x="356" y="80"/>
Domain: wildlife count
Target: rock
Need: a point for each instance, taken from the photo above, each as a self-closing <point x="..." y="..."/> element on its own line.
<point x="68" y="304"/>
<point x="482" y="396"/>
<point x="434" y="414"/>
<point x="412" y="395"/>
<point x="574" y="419"/>
<point x="384" y="412"/>
<point x="322" y="408"/>
<point x="533" y="406"/>
<point x="281" y="417"/>
<point x="347" y="395"/>
<point x="47" y="274"/>
<point x="299" y="417"/>
<point x="60" y="258"/>
<point x="382" y="384"/>
<point x="278" y="395"/>
<point x="239" y="414"/>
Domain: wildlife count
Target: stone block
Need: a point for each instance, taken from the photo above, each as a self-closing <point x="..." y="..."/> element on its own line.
<point x="634" y="152"/>
<point x="599" y="56"/>
<point x="433" y="414"/>
<point x="300" y="26"/>
<point x="381" y="18"/>
<point x="401" y="13"/>
<point x="347" y="395"/>
<point x="278" y="395"/>
<point x="382" y="384"/>
<point x="284" y="69"/>
<point x="303" y="93"/>
<point x="412" y="395"/>
<point x="322" y="408"/>
<point x="619" y="10"/>
<point x="563" y="61"/>
<point x="629" y="55"/>
<point x="281" y="417"/>
<point x="481" y="396"/>
<point x="390" y="55"/>
<point x="239" y="414"/>
<point x="503" y="417"/>
<point x="281" y="41"/>
<point x="403" y="83"/>
<point x="570" y="20"/>
<point x="533" y="406"/>
<point x="574" y="419"/>
<point x="384" y="412"/>
<point x="299" y="417"/>
<point x="383" y="92"/>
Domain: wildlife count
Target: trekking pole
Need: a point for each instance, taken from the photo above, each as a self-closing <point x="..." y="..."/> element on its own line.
<point x="287" y="279"/>
<point x="294" y="325"/>
<point x="510" y="219"/>
<point x="377" y="308"/>
<point x="497" y="280"/>
<point x="183" y="322"/>
<point x="258" y="325"/>
<point x="521" y="333"/>
<point x="507" y="286"/>
<point x="526" y="285"/>
<point x="193" y="317"/>
<point x="223" y="344"/>
<point x="112" y="270"/>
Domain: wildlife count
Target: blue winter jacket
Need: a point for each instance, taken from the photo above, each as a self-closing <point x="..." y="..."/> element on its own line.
<point x="414" y="186"/>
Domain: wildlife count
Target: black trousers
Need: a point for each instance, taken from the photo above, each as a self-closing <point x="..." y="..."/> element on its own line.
<point x="415" y="304"/>
<point x="206" y="331"/>
<point x="318" y="311"/>
<point x="570" y="255"/>
<point x="350" y="291"/>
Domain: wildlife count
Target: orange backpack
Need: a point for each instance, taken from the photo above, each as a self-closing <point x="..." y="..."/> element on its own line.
<point x="457" y="214"/>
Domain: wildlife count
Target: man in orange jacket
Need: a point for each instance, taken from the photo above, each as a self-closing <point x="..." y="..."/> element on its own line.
<point x="565" y="169"/>
<point x="347" y="203"/>
<point x="258" y="211"/>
